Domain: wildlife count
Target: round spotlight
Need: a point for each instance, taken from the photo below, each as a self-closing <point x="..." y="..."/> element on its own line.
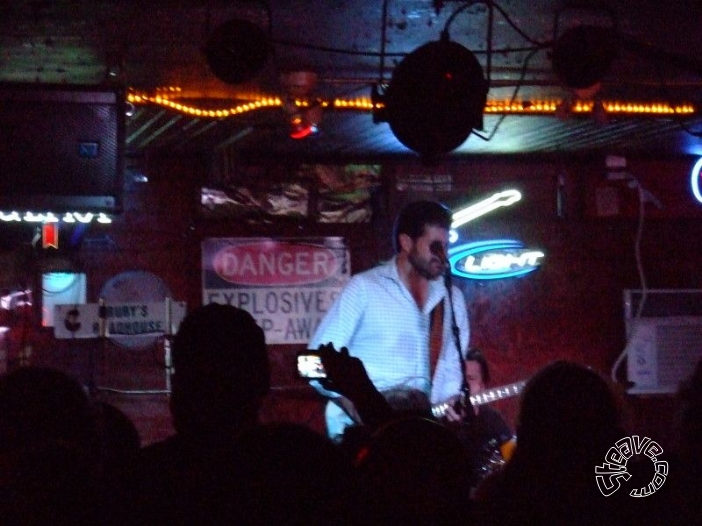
<point x="436" y="97"/>
<point x="237" y="50"/>
<point x="583" y="55"/>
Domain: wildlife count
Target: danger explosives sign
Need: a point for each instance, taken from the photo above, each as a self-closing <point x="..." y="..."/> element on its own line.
<point x="286" y="284"/>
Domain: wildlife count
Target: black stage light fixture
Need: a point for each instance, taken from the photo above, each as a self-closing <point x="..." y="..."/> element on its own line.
<point x="436" y="98"/>
<point x="237" y="50"/>
<point x="583" y="55"/>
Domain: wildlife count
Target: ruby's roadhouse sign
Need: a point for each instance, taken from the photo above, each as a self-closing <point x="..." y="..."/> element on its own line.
<point x="286" y="284"/>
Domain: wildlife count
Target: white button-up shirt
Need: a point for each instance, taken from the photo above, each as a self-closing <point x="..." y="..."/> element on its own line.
<point x="378" y="320"/>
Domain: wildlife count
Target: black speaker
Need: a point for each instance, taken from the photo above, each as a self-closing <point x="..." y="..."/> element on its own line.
<point x="61" y="148"/>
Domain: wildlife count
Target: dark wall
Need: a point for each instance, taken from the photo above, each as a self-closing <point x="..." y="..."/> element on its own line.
<point x="571" y="308"/>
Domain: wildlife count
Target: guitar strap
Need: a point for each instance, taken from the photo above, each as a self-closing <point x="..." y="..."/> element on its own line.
<point x="436" y="333"/>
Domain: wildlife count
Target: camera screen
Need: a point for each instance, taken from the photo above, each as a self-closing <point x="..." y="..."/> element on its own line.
<point x="310" y="366"/>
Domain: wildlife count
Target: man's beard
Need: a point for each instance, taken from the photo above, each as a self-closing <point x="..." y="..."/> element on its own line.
<point x="424" y="267"/>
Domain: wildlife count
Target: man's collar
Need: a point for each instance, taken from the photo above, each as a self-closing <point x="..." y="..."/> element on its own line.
<point x="437" y="290"/>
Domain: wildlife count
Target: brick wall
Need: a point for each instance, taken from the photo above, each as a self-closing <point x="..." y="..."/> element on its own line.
<point x="571" y="308"/>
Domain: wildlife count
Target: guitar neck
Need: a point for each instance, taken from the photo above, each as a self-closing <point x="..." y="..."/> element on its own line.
<point x="484" y="397"/>
<point x="498" y="393"/>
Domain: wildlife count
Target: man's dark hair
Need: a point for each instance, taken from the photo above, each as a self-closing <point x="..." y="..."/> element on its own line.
<point x="474" y="355"/>
<point x="417" y="215"/>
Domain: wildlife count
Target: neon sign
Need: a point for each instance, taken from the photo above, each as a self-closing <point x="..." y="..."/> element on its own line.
<point x="500" y="199"/>
<point x="495" y="259"/>
<point x="50" y="217"/>
<point x="695" y="180"/>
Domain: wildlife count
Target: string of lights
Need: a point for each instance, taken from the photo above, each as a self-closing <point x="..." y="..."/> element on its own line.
<point x="168" y="98"/>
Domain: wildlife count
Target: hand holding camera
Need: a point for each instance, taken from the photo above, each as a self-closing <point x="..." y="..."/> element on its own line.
<point x="336" y="370"/>
<point x="342" y="373"/>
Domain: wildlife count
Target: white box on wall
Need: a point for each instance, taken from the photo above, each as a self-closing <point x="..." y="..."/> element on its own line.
<point x="664" y="340"/>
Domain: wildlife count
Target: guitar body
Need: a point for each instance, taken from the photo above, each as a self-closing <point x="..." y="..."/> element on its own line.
<point x="486" y="436"/>
<point x="507" y="448"/>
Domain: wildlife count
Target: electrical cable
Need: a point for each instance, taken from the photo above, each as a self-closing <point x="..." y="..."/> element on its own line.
<point x="383" y="54"/>
<point x="376" y="54"/>
<point x="132" y="392"/>
<point x="641" y="192"/>
<point x="520" y="82"/>
<point x="340" y="51"/>
<point x="493" y="5"/>
<point x="678" y="119"/>
<point x="490" y="51"/>
<point x="383" y="38"/>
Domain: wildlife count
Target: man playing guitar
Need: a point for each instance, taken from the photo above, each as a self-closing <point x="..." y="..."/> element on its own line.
<point x="386" y="317"/>
<point x="484" y="432"/>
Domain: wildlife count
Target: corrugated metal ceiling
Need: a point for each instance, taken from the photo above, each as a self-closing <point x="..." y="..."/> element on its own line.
<point x="351" y="45"/>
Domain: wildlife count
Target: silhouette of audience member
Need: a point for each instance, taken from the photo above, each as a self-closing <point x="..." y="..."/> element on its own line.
<point x="684" y="489"/>
<point x="48" y="450"/>
<point x="221" y="375"/>
<point x="118" y="438"/>
<point x="413" y="471"/>
<point x="402" y="402"/>
<point x="568" y="420"/>
<point x="291" y="475"/>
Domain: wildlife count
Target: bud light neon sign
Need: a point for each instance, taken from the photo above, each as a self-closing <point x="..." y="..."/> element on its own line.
<point x="695" y="180"/>
<point x="495" y="259"/>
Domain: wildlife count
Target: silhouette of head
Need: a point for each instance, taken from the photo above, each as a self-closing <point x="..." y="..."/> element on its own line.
<point x="567" y="407"/>
<point x="289" y="474"/>
<point x="118" y="435"/>
<point x="41" y="406"/>
<point x="406" y="401"/>
<point x="48" y="449"/>
<point x="221" y="371"/>
<point x="691" y="414"/>
<point x="413" y="471"/>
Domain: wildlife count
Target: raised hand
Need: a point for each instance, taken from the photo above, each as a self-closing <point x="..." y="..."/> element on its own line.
<point x="347" y="376"/>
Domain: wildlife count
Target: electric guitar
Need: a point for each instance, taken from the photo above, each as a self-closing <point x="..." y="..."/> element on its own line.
<point x="484" y="397"/>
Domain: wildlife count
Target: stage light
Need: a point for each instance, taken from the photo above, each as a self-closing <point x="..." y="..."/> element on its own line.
<point x="237" y="50"/>
<point x="582" y="56"/>
<point x="435" y="98"/>
<point x="301" y="127"/>
<point x="303" y="112"/>
<point x="304" y="120"/>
